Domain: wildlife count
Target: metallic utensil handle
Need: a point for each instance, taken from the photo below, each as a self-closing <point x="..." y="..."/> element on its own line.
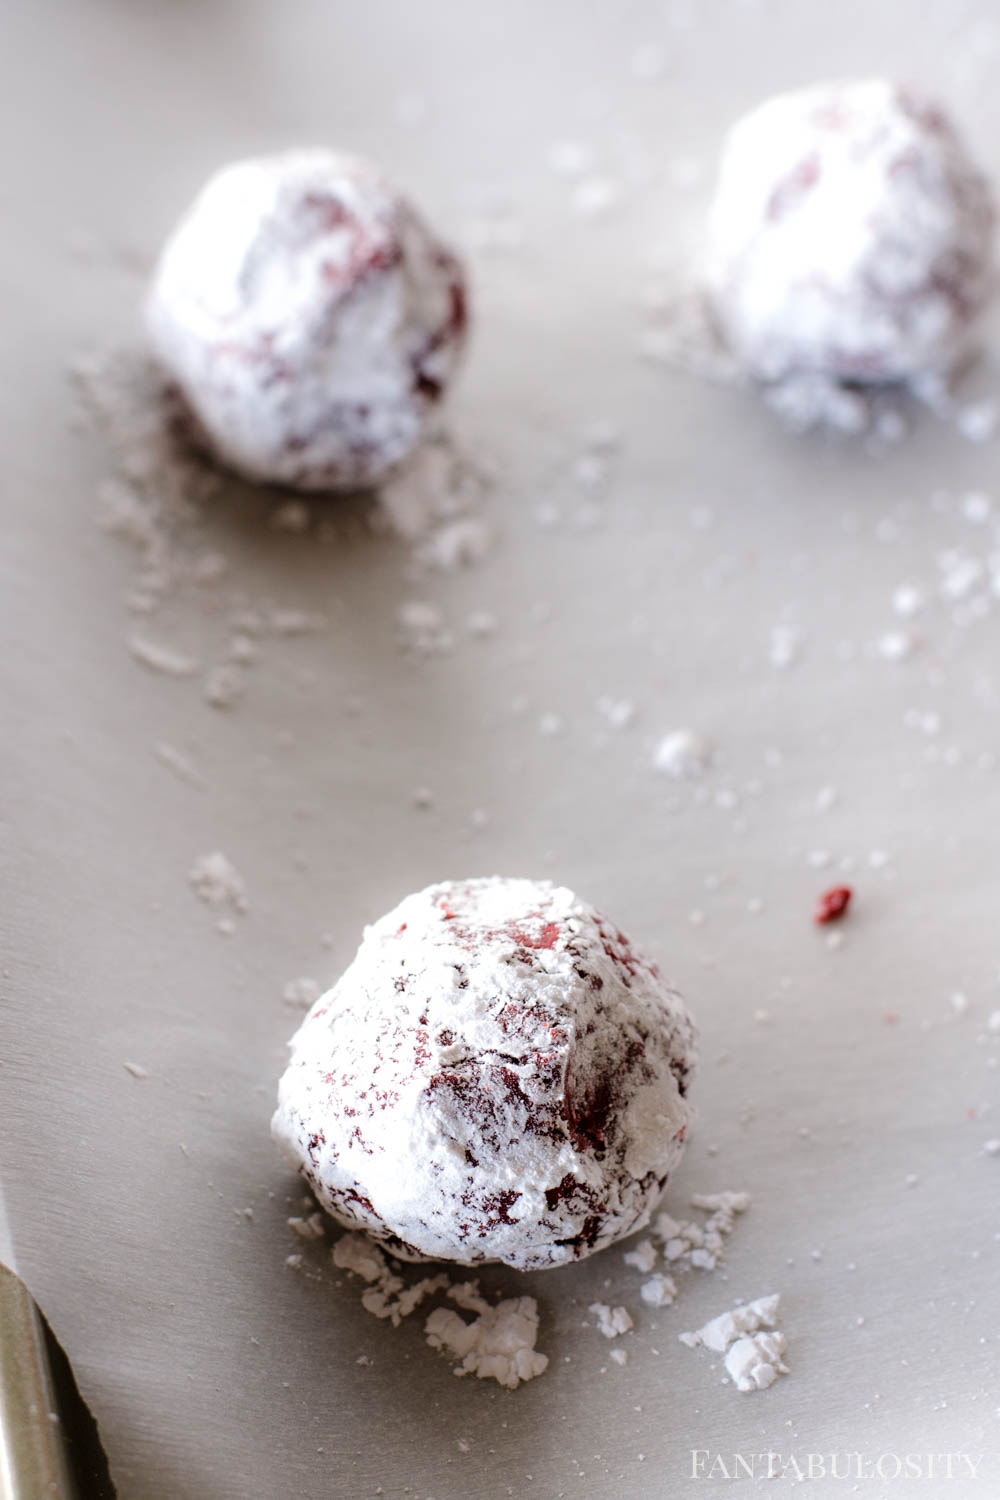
<point x="32" y="1450"/>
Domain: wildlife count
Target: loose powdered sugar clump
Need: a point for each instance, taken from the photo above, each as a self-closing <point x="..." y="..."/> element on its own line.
<point x="499" y="1075"/>
<point x="217" y="881"/>
<point x="310" y="319"/>
<point x="754" y="1359"/>
<point x="499" y="1342"/>
<point x="686" y="1243"/>
<point x="611" y="1321"/>
<point x="850" y="237"/>
<point x="387" y="1295"/>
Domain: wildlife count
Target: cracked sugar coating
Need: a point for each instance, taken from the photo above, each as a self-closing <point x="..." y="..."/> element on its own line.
<point x="309" y="318"/>
<point x="850" y="235"/>
<point x="498" y="1075"/>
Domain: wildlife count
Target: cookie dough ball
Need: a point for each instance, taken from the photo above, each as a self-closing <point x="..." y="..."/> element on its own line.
<point x="498" y="1076"/>
<point x="310" y="319"/>
<point x="850" y="236"/>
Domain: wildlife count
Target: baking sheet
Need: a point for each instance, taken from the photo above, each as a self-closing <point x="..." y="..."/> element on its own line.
<point x="149" y="1211"/>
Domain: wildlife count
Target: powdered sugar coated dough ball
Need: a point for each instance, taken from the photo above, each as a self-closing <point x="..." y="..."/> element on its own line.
<point x="498" y="1076"/>
<point x="310" y="319"/>
<point x="850" y="235"/>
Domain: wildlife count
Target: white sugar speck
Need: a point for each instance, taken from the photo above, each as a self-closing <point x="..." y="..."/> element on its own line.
<point x="907" y="600"/>
<point x="684" y="753"/>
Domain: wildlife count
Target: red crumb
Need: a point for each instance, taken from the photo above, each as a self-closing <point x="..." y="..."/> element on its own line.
<point x="832" y="904"/>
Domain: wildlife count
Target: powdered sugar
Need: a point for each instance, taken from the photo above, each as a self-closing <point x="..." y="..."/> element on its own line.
<point x="498" y="1344"/>
<point x="659" y="1290"/>
<point x="683" y="753"/>
<point x="498" y="1341"/>
<point x="686" y="1243"/>
<point x="307" y="1229"/>
<point x="387" y="1295"/>
<point x="754" y="1359"/>
<point x="611" y="1321"/>
<point x="301" y="993"/>
<point x="642" y="1257"/>
<point x="718" y="1334"/>
<point x="218" y="883"/>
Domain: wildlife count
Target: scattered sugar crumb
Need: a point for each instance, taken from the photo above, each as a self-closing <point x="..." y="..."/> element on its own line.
<point x="754" y="1359"/>
<point x="907" y="600"/>
<point x="466" y="540"/>
<point x="683" y="754"/>
<point x="786" y="646"/>
<point x="160" y="658"/>
<point x="301" y="993"/>
<point x="659" y="1290"/>
<point x="136" y="1069"/>
<point x="433" y="504"/>
<point x="311" y="1228"/>
<point x="643" y="1256"/>
<point x="700" y="1246"/>
<point x="897" y="645"/>
<point x="748" y="1317"/>
<point x="977" y="421"/>
<point x="217" y="882"/>
<point x="611" y="1321"/>
<point x="423" y="628"/>
<point x="499" y="1344"/>
<point x="619" y="712"/>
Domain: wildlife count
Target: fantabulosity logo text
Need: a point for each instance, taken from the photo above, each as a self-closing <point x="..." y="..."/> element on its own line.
<point x="845" y="1464"/>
